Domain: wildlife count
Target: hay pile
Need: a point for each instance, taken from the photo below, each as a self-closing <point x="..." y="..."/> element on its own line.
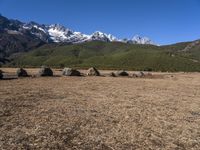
<point x="45" y="71"/>
<point x="122" y="73"/>
<point x="21" y="72"/>
<point x="142" y="74"/>
<point x="71" y="72"/>
<point x="112" y="74"/>
<point x="93" y="72"/>
<point x="1" y="74"/>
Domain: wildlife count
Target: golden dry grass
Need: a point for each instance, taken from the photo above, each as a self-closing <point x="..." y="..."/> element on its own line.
<point x="100" y="112"/>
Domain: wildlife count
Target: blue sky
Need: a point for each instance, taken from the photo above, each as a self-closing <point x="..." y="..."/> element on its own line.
<point x="164" y="21"/>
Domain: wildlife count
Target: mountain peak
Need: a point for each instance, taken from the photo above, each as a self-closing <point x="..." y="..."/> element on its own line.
<point x="57" y="26"/>
<point x="98" y="35"/>
<point x="142" y="40"/>
<point x="59" y="33"/>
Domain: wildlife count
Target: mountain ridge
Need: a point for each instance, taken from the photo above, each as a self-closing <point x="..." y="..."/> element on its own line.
<point x="59" y="33"/>
<point x="17" y="36"/>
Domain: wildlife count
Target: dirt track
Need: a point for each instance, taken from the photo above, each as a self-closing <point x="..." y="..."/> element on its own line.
<point x="100" y="113"/>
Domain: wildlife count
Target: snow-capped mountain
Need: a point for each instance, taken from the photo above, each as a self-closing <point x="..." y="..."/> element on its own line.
<point x="59" y="34"/>
<point x="35" y="29"/>
<point x="102" y="37"/>
<point x="142" y="40"/>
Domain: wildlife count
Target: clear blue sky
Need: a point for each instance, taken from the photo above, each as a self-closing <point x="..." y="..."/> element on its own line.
<point x="164" y="21"/>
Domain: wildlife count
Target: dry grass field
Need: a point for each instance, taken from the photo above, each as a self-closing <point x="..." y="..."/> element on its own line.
<point x="105" y="113"/>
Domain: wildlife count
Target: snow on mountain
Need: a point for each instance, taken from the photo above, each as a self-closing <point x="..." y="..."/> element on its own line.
<point x="112" y="38"/>
<point x="142" y="40"/>
<point x="102" y="37"/>
<point x="58" y="33"/>
<point x="40" y="31"/>
<point x="33" y="25"/>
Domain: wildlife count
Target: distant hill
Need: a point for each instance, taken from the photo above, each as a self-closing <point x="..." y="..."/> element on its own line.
<point x="32" y="45"/>
<point x="115" y="55"/>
